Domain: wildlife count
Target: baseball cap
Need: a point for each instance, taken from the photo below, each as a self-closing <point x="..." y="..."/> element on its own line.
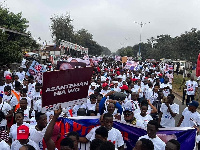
<point x="8" y="77"/>
<point x="104" y="84"/>
<point x="194" y="103"/>
<point x="128" y="109"/>
<point x="22" y="132"/>
<point x="134" y="79"/>
<point x="124" y="87"/>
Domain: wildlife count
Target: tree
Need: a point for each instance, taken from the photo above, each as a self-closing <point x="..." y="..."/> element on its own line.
<point x="106" y="51"/>
<point x="12" y="42"/>
<point x="62" y="28"/>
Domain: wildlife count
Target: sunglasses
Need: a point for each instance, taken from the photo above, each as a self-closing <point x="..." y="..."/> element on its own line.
<point x="128" y="114"/>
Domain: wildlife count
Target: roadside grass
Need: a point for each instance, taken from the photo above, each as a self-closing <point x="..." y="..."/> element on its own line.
<point x="178" y="84"/>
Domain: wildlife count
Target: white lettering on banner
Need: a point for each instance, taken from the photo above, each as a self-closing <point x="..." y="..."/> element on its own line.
<point x="59" y="90"/>
<point x="59" y="93"/>
<point x="73" y="90"/>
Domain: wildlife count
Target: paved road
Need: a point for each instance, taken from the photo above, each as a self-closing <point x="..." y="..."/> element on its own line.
<point x="181" y="108"/>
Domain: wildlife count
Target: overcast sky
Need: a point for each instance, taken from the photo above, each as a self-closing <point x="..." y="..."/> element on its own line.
<point x="112" y="21"/>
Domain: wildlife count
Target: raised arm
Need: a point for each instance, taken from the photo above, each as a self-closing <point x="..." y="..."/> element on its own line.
<point x="48" y="134"/>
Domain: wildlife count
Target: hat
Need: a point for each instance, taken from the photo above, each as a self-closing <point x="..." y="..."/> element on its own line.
<point x="118" y="73"/>
<point x="194" y="103"/>
<point x="93" y="84"/>
<point x="124" y="87"/>
<point x="134" y="79"/>
<point x="8" y="77"/>
<point x="22" y="132"/>
<point x="128" y="109"/>
<point x="104" y="84"/>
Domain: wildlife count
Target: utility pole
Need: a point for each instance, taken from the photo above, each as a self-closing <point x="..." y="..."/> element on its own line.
<point x="141" y="24"/>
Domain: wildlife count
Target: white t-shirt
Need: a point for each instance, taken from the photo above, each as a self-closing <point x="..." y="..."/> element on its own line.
<point x="38" y="105"/>
<point x="149" y="93"/>
<point x="191" y="85"/>
<point x="117" y="89"/>
<point x="104" y="92"/>
<point x="26" y="114"/>
<point x="114" y="136"/>
<point x="170" y="76"/>
<point x="139" y="90"/>
<point x="4" y="145"/>
<point x="13" y="131"/>
<point x="132" y="104"/>
<point x="12" y="100"/>
<point x="167" y="120"/>
<point x="90" y="134"/>
<point x="37" y="136"/>
<point x="16" y="145"/>
<point x="90" y="91"/>
<point x="21" y="75"/>
<point x="166" y="92"/>
<point x="5" y="108"/>
<point x="190" y="118"/>
<point x="10" y="84"/>
<point x="31" y="90"/>
<point x="157" y="142"/>
<point x="142" y="121"/>
<point x="91" y="107"/>
<point x="7" y="73"/>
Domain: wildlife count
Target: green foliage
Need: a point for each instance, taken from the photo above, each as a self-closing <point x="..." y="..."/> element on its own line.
<point x="106" y="51"/>
<point x="184" y="47"/>
<point x="62" y="29"/>
<point x="12" y="44"/>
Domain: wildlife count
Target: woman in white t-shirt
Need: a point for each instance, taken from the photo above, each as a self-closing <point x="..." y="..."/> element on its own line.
<point x="168" y="111"/>
<point x="19" y="117"/>
<point x="143" y="118"/>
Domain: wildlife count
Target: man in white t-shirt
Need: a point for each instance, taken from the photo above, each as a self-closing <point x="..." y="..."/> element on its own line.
<point x="105" y="90"/>
<point x="23" y="139"/>
<point x="21" y="74"/>
<point x="191" y="87"/>
<point x="114" y="135"/>
<point x="170" y="76"/>
<point x="190" y="116"/>
<point x="152" y="128"/>
<point x="37" y="132"/>
<point x="166" y="87"/>
<point x="168" y="111"/>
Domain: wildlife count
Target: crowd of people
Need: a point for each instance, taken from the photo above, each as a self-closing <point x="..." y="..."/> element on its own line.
<point x="141" y="96"/>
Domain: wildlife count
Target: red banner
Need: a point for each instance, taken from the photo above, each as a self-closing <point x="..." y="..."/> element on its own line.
<point x="66" y="85"/>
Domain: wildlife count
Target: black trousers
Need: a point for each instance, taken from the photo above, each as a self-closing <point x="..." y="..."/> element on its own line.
<point x="189" y="97"/>
<point x="184" y="93"/>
